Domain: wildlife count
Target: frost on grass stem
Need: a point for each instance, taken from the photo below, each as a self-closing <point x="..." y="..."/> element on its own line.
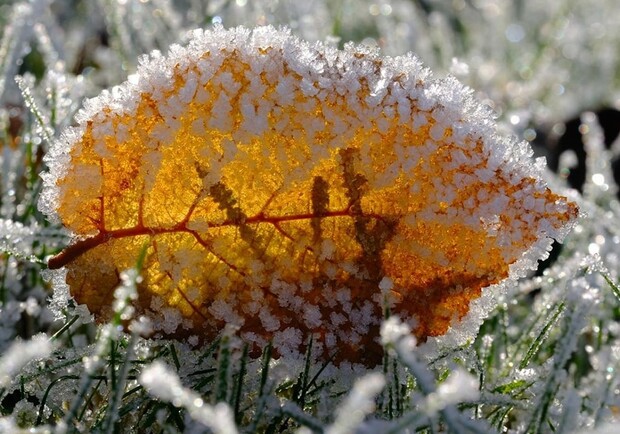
<point x="599" y="185"/>
<point x="26" y="83"/>
<point x="109" y="334"/>
<point x="19" y="354"/>
<point x="15" y="37"/>
<point x="359" y="403"/>
<point x="460" y="386"/>
<point x="124" y="294"/>
<point x="17" y="239"/>
<point x="438" y="400"/>
<point x="164" y="384"/>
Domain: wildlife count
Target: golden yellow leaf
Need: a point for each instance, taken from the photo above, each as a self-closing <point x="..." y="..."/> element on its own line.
<point x="291" y="188"/>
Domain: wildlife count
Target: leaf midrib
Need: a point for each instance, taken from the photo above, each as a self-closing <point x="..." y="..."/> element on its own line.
<point x="75" y="250"/>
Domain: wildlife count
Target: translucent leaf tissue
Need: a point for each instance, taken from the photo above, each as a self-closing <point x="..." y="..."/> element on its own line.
<point x="294" y="189"/>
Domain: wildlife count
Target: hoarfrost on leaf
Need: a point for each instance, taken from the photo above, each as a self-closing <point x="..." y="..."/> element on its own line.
<point x="301" y="173"/>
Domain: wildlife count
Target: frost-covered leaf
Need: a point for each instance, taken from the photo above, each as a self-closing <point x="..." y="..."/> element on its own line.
<point x="291" y="188"/>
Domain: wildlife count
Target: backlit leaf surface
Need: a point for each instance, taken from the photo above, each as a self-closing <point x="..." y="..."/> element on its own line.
<point x="291" y="188"/>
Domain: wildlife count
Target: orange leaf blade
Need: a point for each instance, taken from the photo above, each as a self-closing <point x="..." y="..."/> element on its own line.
<point x="290" y="188"/>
